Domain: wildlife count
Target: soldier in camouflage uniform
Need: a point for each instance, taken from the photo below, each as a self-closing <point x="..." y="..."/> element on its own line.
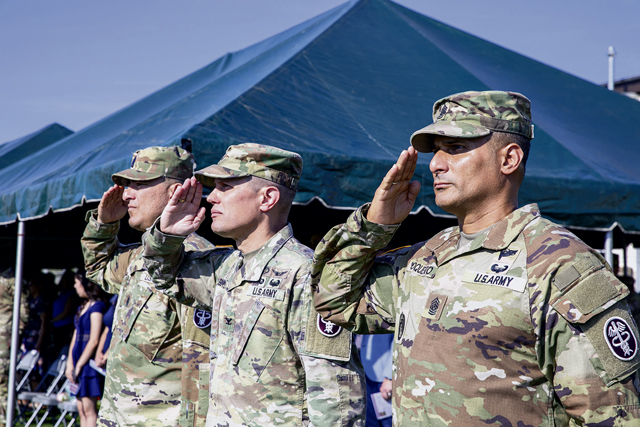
<point x="507" y="319"/>
<point x="274" y="361"/>
<point x="157" y="346"/>
<point x="7" y="292"/>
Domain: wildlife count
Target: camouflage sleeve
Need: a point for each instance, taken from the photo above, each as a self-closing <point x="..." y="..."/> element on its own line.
<point x="105" y="260"/>
<point x="163" y="257"/>
<point x="588" y="343"/>
<point x="350" y="288"/>
<point x="334" y="379"/>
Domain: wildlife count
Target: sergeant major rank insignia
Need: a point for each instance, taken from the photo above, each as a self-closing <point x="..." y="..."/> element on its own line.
<point x="327" y="328"/>
<point x="201" y="318"/>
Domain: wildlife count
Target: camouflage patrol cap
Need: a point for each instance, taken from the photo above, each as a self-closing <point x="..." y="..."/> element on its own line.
<point x="155" y="162"/>
<point x="262" y="161"/>
<point x="475" y="114"/>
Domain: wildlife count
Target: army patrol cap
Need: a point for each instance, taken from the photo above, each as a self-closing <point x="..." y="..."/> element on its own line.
<point x="476" y="114"/>
<point x="156" y="162"/>
<point x="262" y="161"/>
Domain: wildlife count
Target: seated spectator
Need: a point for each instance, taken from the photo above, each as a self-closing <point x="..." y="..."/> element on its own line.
<point x="88" y="326"/>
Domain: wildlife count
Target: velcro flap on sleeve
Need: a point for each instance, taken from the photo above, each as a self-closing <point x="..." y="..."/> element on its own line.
<point x="326" y="340"/>
<point x="615" y="338"/>
<point x="588" y="294"/>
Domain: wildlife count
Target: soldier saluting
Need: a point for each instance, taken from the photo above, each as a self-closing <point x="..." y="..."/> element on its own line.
<point x="157" y="348"/>
<point x="506" y="319"/>
<point x="274" y="361"/>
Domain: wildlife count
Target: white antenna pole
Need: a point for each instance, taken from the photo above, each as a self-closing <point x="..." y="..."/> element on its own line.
<point x="611" y="53"/>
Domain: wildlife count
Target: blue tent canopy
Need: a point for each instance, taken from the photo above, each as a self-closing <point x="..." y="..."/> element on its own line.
<point x="13" y="151"/>
<point x="345" y="90"/>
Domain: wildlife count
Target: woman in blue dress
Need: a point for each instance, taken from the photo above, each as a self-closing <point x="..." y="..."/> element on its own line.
<point x="102" y="353"/>
<point x="88" y="326"/>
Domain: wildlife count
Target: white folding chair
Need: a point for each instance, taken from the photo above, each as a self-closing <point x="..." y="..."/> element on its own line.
<point x="47" y="399"/>
<point x="66" y="408"/>
<point x="52" y="377"/>
<point x="26" y="365"/>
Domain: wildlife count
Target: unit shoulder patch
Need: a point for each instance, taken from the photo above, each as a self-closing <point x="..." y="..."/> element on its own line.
<point x="201" y="318"/>
<point x="620" y="338"/>
<point x="327" y="328"/>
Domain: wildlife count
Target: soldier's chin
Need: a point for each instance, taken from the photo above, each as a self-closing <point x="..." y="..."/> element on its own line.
<point x="449" y="206"/>
<point x="135" y="224"/>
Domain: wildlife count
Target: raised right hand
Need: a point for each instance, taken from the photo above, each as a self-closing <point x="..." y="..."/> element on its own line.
<point x="112" y="207"/>
<point x="396" y="194"/>
<point x="183" y="214"/>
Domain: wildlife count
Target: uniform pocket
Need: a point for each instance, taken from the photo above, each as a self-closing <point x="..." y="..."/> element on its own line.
<point x="259" y="338"/>
<point x="149" y="320"/>
<point x="353" y="399"/>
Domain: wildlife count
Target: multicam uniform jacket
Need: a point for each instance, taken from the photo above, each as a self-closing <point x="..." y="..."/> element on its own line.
<point x="523" y="326"/>
<point x="273" y="361"/>
<point x="7" y="292"/>
<point x="157" y="346"/>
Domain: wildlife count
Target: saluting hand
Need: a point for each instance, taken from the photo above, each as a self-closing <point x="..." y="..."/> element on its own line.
<point x="112" y="208"/>
<point x="396" y="194"/>
<point x="183" y="214"/>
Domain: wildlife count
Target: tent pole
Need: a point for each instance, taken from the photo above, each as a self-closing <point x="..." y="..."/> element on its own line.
<point x="611" y="53"/>
<point x="624" y="254"/>
<point x="608" y="248"/>
<point x="11" y="401"/>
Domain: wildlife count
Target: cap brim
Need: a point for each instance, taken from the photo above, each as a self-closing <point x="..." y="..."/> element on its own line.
<point x="124" y="177"/>
<point x="422" y="140"/>
<point x="208" y="175"/>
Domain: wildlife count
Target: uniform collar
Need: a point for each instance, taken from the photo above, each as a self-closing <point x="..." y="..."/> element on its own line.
<point x="505" y="231"/>
<point x="252" y="271"/>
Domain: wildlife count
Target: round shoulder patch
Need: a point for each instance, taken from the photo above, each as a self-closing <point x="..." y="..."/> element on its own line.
<point x="201" y="318"/>
<point x="328" y="329"/>
<point x="620" y="338"/>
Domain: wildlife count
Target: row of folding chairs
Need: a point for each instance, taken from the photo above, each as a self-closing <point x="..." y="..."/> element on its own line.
<point x="43" y="398"/>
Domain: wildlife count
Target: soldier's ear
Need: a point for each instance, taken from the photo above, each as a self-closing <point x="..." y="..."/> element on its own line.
<point x="511" y="156"/>
<point x="172" y="188"/>
<point x="269" y="198"/>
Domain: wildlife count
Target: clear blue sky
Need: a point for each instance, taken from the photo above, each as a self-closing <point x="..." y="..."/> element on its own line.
<point x="77" y="61"/>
